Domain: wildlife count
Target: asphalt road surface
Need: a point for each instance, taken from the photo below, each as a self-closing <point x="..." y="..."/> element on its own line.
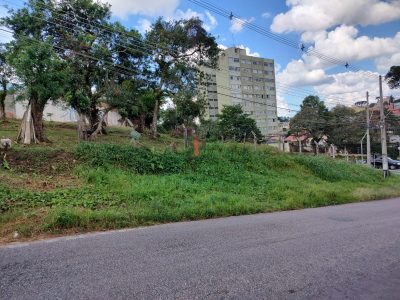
<point x="342" y="252"/>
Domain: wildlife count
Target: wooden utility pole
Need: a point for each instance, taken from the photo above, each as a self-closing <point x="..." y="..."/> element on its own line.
<point x="385" y="166"/>
<point x="368" y="136"/>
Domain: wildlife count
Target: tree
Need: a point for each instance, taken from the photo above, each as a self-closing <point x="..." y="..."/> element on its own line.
<point x="345" y="128"/>
<point x="188" y="110"/>
<point x="6" y="75"/>
<point x="42" y="74"/>
<point x="133" y="100"/>
<point x="312" y="118"/>
<point x="235" y="124"/>
<point x="96" y="54"/>
<point x="182" y="48"/>
<point x="393" y="77"/>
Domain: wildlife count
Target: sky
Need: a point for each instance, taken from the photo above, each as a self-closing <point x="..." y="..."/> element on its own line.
<point x="363" y="33"/>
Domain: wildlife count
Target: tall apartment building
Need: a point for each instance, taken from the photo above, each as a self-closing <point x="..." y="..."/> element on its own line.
<point x="245" y="80"/>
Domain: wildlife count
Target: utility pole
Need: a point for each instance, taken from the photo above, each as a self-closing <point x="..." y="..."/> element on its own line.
<point x="368" y="137"/>
<point x="385" y="166"/>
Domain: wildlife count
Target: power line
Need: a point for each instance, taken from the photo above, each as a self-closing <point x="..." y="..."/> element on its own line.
<point x="246" y="100"/>
<point x="276" y="37"/>
<point x="140" y="44"/>
<point x="101" y="60"/>
<point x="131" y="69"/>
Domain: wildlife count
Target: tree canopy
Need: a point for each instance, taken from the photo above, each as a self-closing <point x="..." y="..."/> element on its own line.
<point x="312" y="118"/>
<point x="393" y="77"/>
<point x="183" y="46"/>
<point x="235" y="124"/>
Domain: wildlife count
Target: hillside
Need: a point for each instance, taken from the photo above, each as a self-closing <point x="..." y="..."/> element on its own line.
<point x="67" y="187"/>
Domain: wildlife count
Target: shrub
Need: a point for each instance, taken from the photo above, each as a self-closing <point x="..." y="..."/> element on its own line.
<point x="140" y="160"/>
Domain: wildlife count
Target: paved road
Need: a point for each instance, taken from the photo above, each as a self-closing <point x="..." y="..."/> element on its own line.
<point x="350" y="251"/>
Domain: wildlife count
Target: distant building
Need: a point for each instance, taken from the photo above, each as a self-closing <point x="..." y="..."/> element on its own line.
<point x="283" y="126"/>
<point x="245" y="80"/>
<point x="360" y="104"/>
<point x="58" y="112"/>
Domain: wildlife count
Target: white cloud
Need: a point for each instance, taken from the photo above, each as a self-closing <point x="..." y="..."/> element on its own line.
<point x="297" y="73"/>
<point x="345" y="45"/>
<point x="350" y="87"/>
<point x="5" y="37"/>
<point x="266" y="15"/>
<point x="152" y="8"/>
<point x="144" y="25"/>
<point x="284" y="109"/>
<point x="238" y="24"/>
<point x="315" y="15"/>
<point x="384" y="63"/>
<point x="248" y="51"/>
<point x="209" y="21"/>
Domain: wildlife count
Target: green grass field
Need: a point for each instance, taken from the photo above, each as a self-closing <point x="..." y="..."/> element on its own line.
<point x="67" y="187"/>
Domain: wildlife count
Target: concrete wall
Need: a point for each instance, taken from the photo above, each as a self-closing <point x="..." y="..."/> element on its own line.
<point x="57" y="112"/>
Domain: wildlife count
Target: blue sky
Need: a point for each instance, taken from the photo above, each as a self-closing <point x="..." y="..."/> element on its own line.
<point x="364" y="33"/>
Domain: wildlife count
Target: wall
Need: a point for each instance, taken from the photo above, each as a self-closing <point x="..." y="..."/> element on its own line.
<point x="57" y="112"/>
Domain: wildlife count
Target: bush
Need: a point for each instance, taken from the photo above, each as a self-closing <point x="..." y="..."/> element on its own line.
<point x="140" y="160"/>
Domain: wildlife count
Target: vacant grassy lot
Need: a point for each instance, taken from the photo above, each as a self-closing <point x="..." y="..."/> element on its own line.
<point x="68" y="187"/>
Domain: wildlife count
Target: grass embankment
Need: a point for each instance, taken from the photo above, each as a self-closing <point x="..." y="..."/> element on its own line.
<point x="98" y="186"/>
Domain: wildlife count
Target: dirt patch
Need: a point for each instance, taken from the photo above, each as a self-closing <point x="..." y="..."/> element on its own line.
<point x="37" y="182"/>
<point x="39" y="161"/>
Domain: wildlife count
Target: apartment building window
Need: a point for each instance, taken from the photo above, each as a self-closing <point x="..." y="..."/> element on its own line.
<point x="247" y="87"/>
<point x="233" y="60"/>
<point x="254" y="63"/>
<point x="235" y="95"/>
<point x="271" y="88"/>
<point x="235" y="86"/>
<point x="234" y="69"/>
<point x="266" y="72"/>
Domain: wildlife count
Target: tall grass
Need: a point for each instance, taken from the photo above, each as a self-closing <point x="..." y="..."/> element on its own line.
<point x="125" y="186"/>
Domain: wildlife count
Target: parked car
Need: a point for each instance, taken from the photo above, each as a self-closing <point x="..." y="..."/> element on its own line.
<point x="392" y="163"/>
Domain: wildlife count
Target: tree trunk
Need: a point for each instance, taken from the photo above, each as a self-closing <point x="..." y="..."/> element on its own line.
<point x="154" y="131"/>
<point x="93" y="116"/>
<point x="82" y="130"/>
<point x="99" y="127"/>
<point x="2" y="108"/>
<point x="37" y="116"/>
<point x="142" y="122"/>
<point x="3" y="96"/>
<point x="185" y="135"/>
